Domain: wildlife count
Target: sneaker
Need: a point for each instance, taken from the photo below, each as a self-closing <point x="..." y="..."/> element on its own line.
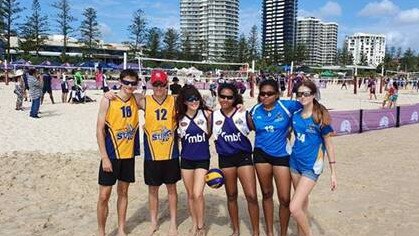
<point x="35" y="117"/>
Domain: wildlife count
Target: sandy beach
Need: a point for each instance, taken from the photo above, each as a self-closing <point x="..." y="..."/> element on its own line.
<point x="49" y="169"/>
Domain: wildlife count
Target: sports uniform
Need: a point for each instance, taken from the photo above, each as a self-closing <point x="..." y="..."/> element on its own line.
<point x="272" y="128"/>
<point x="308" y="150"/>
<point x="193" y="133"/>
<point x="233" y="147"/>
<point x="161" y="151"/>
<point x="121" y="141"/>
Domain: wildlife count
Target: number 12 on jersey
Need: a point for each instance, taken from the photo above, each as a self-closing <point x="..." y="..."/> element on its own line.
<point x="161" y="114"/>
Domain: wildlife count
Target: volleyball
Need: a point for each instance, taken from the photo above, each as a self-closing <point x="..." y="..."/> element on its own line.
<point x="214" y="178"/>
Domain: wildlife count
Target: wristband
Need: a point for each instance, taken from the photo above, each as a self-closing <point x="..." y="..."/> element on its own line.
<point x="332" y="162"/>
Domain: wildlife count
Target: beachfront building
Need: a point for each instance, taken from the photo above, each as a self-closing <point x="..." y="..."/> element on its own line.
<point x="279" y="25"/>
<point x="366" y="49"/>
<point x="53" y="46"/>
<point x="208" y="23"/>
<point x="320" y="40"/>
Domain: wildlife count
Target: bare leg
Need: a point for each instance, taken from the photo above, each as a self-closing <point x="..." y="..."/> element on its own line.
<point x="153" y="203"/>
<point x="230" y="176"/>
<point x="248" y="180"/>
<point x="172" y="195"/>
<point x="265" y="176"/>
<point x="102" y="208"/>
<point x="283" y="185"/>
<point x="122" y="204"/>
<point x="188" y="180"/>
<point x="304" y="187"/>
<point x="198" y="196"/>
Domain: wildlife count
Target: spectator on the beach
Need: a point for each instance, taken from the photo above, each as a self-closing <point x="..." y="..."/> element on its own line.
<point x="19" y="89"/>
<point x="394" y="94"/>
<point x="312" y="130"/>
<point x="272" y="120"/>
<point x="175" y="87"/>
<point x="47" y="87"/>
<point x="105" y="86"/>
<point x="117" y="121"/>
<point x="64" y="87"/>
<point x="35" y="92"/>
<point x="372" y="87"/>
<point x="241" y="86"/>
<point x="143" y="85"/>
<point x="78" y="78"/>
<point x="99" y="77"/>
<point x="25" y="79"/>
<point x="344" y="84"/>
<point x="213" y="88"/>
<point x="282" y="81"/>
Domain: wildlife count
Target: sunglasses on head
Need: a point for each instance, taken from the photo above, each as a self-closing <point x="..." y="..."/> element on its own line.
<point x="126" y="82"/>
<point x="304" y="94"/>
<point x="268" y="94"/>
<point x="159" y="84"/>
<point x="192" y="98"/>
<point x="226" y="97"/>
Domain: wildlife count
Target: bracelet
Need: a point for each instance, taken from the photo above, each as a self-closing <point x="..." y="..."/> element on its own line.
<point x="332" y="162"/>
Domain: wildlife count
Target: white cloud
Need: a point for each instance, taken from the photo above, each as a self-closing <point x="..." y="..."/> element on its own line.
<point x="331" y="9"/>
<point x="374" y="9"/>
<point x="105" y="30"/>
<point x="409" y="16"/>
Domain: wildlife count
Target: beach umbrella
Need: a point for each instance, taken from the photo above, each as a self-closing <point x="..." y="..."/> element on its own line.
<point x="19" y="62"/>
<point x="66" y="65"/>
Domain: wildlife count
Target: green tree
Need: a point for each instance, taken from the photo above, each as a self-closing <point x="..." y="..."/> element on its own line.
<point x="89" y="30"/>
<point x="200" y="51"/>
<point x="409" y="60"/>
<point x="171" y="44"/>
<point x="153" y="42"/>
<point x="10" y="10"/>
<point x="64" y="20"/>
<point x="34" y="30"/>
<point x="187" y="52"/>
<point x="242" y="49"/>
<point x="289" y="55"/>
<point x="253" y="43"/>
<point x="137" y="30"/>
<point x="300" y="54"/>
<point x="399" y="53"/>
<point x="230" y="50"/>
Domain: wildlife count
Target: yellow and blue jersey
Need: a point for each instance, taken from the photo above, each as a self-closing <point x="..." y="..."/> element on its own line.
<point x="159" y="130"/>
<point x="122" y="136"/>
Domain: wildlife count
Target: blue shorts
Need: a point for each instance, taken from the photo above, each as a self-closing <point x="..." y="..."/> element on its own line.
<point x="307" y="173"/>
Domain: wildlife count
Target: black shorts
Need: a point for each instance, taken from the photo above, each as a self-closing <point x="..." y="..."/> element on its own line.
<point x="259" y="156"/>
<point x="192" y="165"/>
<point x="46" y="90"/>
<point x="123" y="169"/>
<point x="64" y="88"/>
<point x="157" y="173"/>
<point x="236" y="160"/>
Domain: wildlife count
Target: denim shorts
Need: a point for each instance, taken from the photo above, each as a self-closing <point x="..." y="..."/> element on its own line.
<point x="307" y="173"/>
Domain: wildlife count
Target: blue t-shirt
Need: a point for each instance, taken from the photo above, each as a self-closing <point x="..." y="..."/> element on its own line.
<point x="272" y="127"/>
<point x="308" y="150"/>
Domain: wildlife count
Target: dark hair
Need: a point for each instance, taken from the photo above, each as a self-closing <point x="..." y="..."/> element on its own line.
<point x="395" y="85"/>
<point x="128" y="72"/>
<point x="269" y="82"/>
<point x="238" y="99"/>
<point x="32" y="71"/>
<point x="320" y="113"/>
<point x="180" y="106"/>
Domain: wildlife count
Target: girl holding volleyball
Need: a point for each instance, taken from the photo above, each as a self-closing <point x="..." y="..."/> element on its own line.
<point x="312" y="132"/>
<point x="191" y="117"/>
<point x="272" y="121"/>
<point x="230" y="128"/>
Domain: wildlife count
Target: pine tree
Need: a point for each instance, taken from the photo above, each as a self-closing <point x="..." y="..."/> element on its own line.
<point x="253" y="44"/>
<point x="186" y="47"/>
<point x="153" y="42"/>
<point x="171" y="44"/>
<point x="137" y="30"/>
<point x="242" y="49"/>
<point x="64" y="20"/>
<point x="34" y="30"/>
<point x="10" y="10"/>
<point x="89" y="29"/>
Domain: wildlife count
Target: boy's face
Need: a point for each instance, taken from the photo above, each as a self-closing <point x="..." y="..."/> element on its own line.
<point x="129" y="84"/>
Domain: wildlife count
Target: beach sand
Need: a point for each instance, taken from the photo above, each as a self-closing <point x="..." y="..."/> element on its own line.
<point x="49" y="169"/>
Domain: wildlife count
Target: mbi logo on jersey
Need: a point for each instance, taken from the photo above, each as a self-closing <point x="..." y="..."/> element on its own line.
<point x="231" y="137"/>
<point x="198" y="138"/>
<point x="161" y="135"/>
<point x="128" y="133"/>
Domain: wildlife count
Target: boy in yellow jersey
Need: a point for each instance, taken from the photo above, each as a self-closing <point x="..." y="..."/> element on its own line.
<point x="118" y="139"/>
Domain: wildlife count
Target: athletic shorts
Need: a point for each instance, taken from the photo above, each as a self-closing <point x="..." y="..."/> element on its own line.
<point x="46" y="90"/>
<point x="157" y="173"/>
<point x="64" y="88"/>
<point x="307" y="173"/>
<point x="122" y="169"/>
<point x="236" y="160"/>
<point x="259" y="156"/>
<point x="194" y="164"/>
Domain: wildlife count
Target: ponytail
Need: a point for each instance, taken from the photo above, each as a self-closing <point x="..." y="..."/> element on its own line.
<point x="321" y="114"/>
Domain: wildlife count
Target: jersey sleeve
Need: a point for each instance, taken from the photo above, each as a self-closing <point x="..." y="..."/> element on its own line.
<point x="326" y="130"/>
<point x="292" y="106"/>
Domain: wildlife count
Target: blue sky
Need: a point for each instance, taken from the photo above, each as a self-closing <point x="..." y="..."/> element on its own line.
<point x="397" y="19"/>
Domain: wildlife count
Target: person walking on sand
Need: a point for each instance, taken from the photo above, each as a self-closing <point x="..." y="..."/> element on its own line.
<point x="47" y="87"/>
<point x="192" y="119"/>
<point x="35" y="92"/>
<point x="118" y="140"/>
<point x="19" y="89"/>
<point x="312" y="130"/>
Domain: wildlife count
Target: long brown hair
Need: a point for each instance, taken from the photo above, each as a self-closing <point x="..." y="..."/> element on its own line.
<point x="320" y="113"/>
<point x="180" y="106"/>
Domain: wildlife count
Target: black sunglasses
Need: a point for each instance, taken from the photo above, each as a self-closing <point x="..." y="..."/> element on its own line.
<point x="192" y="98"/>
<point x="159" y="84"/>
<point x="126" y="82"/>
<point x="305" y="94"/>
<point x="226" y="97"/>
<point x="263" y="94"/>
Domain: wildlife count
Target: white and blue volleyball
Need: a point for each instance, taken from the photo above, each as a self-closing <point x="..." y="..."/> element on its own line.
<point x="214" y="178"/>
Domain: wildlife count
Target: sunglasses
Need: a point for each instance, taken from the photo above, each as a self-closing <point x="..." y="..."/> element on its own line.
<point x="126" y="82"/>
<point x="304" y="94"/>
<point x="159" y="84"/>
<point x="268" y="94"/>
<point x="192" y="98"/>
<point x="226" y="97"/>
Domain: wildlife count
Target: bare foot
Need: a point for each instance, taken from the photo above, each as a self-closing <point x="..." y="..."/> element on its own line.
<point x="192" y="230"/>
<point x="121" y="233"/>
<point x="200" y="231"/>
<point x="235" y="234"/>
<point x="152" y="229"/>
<point x="173" y="230"/>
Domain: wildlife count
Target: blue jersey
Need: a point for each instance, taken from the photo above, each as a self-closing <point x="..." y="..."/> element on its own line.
<point x="272" y="127"/>
<point x="230" y="133"/>
<point x="193" y="133"/>
<point x="308" y="150"/>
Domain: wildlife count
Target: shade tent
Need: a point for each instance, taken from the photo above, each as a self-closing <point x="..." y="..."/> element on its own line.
<point x="20" y="62"/>
<point x="49" y="63"/>
<point x="133" y="66"/>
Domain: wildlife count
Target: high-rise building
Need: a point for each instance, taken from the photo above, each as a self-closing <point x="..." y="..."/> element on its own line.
<point x="368" y="49"/>
<point x="208" y="23"/>
<point x="320" y="40"/>
<point x="279" y="25"/>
